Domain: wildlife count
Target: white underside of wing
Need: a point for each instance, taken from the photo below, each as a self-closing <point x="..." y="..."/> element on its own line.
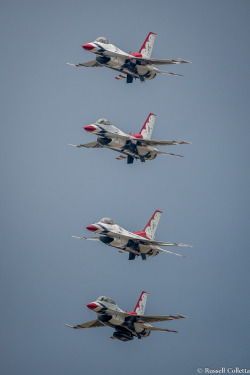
<point x="145" y="318"/>
<point x="92" y="324"/>
<point x="87" y="238"/>
<point x="137" y="238"/>
<point x="154" y="142"/>
<point x="89" y="64"/>
<point x="163" y="61"/>
<point x="88" y="145"/>
<point x="157" y="318"/>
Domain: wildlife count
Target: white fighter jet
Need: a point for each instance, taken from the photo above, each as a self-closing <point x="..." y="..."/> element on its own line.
<point x="137" y="243"/>
<point x="127" y="324"/>
<point x="132" y="146"/>
<point x="131" y="65"/>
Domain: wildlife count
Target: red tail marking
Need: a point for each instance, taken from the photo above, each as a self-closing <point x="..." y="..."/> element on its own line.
<point x="138" y="302"/>
<point x="144" y="44"/>
<point x="144" y="125"/>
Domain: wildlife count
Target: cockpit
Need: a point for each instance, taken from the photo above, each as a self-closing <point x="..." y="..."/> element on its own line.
<point x="107" y="220"/>
<point x="103" y="40"/>
<point x="106" y="299"/>
<point x="103" y="121"/>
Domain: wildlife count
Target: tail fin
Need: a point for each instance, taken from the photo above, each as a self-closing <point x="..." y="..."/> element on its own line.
<point x="147" y="47"/>
<point x="150" y="228"/>
<point x="141" y="304"/>
<point x="147" y="129"/>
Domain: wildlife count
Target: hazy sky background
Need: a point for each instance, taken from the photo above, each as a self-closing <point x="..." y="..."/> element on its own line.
<point x="50" y="191"/>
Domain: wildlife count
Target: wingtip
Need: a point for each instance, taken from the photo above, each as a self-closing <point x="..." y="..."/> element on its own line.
<point x="181" y="61"/>
<point x="181" y="316"/>
<point x="182" y="142"/>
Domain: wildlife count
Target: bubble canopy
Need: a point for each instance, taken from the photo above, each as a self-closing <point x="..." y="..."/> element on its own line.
<point x="103" y="121"/>
<point x="106" y="299"/>
<point x="103" y="40"/>
<point x="107" y="220"/>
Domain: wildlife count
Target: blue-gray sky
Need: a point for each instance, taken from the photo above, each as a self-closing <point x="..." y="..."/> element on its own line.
<point x="50" y="191"/>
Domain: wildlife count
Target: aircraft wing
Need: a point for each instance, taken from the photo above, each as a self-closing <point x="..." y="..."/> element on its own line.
<point x="156" y="318"/>
<point x="169" y="244"/>
<point x="146" y="241"/>
<point x="92" y="324"/>
<point x="91" y="64"/>
<point x="144" y="318"/>
<point x="153" y="142"/>
<point x="145" y="142"/>
<point x="143" y="60"/>
<point x="160" y="61"/>
<point x="89" y="145"/>
<point x="87" y="238"/>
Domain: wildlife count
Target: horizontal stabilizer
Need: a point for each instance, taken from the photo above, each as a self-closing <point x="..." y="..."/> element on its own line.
<point x="171" y="252"/>
<point x="160" y="329"/>
<point x="167" y="153"/>
<point x="164" y="72"/>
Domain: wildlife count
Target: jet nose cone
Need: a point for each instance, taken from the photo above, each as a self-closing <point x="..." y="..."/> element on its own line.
<point x="92" y="305"/>
<point x="89" y="128"/>
<point x="88" y="47"/>
<point x="92" y="228"/>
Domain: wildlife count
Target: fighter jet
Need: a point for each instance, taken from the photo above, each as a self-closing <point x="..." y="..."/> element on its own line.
<point x="132" y="146"/>
<point x="127" y="324"/>
<point x="140" y="243"/>
<point x="131" y="65"/>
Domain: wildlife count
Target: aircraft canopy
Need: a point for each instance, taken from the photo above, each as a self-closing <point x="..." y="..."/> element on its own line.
<point x="107" y="220"/>
<point x="103" y="121"/>
<point x="102" y="39"/>
<point x="106" y="299"/>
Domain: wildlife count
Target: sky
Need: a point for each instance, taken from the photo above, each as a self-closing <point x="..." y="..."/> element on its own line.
<point x="51" y="191"/>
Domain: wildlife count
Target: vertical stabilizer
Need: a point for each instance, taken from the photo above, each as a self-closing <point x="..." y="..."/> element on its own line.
<point x="147" y="129"/>
<point x="141" y="304"/>
<point x="147" y="47"/>
<point x="151" y="226"/>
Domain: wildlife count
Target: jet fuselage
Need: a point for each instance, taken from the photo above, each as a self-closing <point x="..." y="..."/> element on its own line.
<point x="125" y="328"/>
